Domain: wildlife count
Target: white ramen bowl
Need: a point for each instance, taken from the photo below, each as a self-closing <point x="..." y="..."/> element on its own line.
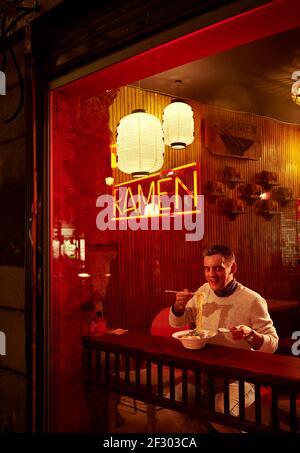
<point x="193" y="342"/>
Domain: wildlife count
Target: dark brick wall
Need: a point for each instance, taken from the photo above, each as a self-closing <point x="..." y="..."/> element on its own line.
<point x="13" y="371"/>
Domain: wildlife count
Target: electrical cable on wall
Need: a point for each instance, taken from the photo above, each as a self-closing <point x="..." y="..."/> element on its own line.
<point x="5" y="47"/>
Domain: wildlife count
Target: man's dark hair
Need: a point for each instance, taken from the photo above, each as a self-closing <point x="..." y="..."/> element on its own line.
<point x="219" y="249"/>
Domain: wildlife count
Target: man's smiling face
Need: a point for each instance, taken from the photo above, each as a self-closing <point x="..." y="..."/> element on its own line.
<point x="218" y="272"/>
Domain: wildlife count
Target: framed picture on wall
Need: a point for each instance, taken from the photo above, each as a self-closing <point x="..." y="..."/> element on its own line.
<point x="232" y="134"/>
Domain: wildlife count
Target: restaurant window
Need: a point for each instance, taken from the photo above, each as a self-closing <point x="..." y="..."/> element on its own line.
<point x="116" y="278"/>
<point x="112" y="279"/>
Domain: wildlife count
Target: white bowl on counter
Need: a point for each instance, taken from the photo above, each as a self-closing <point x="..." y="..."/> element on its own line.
<point x="194" y="341"/>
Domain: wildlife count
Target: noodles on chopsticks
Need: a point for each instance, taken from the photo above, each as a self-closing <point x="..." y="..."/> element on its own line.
<point x="199" y="304"/>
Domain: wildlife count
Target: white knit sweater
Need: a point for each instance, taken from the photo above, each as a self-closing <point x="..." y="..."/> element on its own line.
<point x="244" y="306"/>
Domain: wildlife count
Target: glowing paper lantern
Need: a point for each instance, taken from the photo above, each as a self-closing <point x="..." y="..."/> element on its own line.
<point x="140" y="145"/>
<point x="178" y="124"/>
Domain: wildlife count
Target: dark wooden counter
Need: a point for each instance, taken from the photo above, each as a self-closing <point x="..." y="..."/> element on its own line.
<point x="116" y="363"/>
<point x="285" y="315"/>
<point x="278" y="305"/>
<point x="242" y="363"/>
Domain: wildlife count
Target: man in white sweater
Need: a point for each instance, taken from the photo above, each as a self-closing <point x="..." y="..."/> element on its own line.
<point x="227" y="304"/>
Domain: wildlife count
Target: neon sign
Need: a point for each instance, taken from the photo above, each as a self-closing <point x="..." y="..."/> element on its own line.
<point x="158" y="195"/>
<point x="163" y="201"/>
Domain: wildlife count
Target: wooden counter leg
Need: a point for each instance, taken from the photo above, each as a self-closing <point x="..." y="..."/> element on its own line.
<point x="151" y="420"/>
<point x="112" y="399"/>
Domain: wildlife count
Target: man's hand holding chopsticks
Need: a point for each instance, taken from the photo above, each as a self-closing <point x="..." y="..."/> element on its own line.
<point x="182" y="298"/>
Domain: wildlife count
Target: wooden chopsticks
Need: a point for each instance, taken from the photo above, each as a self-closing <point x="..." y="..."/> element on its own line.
<point x="174" y="292"/>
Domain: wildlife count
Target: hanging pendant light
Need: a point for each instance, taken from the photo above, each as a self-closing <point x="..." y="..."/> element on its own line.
<point x="109" y="180"/>
<point x="140" y="145"/>
<point x="178" y="123"/>
<point x="295" y="90"/>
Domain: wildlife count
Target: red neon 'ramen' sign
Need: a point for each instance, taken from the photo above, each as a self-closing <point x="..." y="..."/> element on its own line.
<point x="160" y="194"/>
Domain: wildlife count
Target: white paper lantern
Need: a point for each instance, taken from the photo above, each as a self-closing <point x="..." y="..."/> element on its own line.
<point x="178" y="124"/>
<point x="140" y="145"/>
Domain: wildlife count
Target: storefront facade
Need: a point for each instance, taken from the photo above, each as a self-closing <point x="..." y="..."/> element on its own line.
<point x="89" y="76"/>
